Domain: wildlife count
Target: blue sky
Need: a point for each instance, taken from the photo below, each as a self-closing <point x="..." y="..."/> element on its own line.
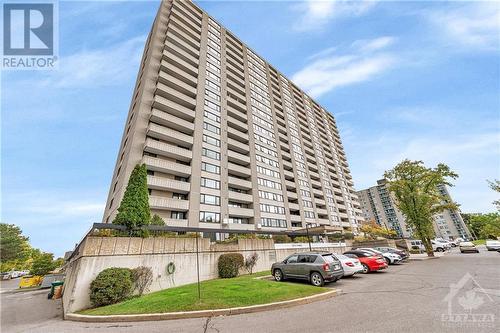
<point x="418" y="80"/>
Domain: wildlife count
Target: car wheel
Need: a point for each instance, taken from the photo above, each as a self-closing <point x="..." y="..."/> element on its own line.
<point x="278" y="275"/>
<point x="317" y="279"/>
<point x="440" y="249"/>
<point x="461" y="251"/>
<point x="388" y="261"/>
<point x="477" y="251"/>
<point x="366" y="269"/>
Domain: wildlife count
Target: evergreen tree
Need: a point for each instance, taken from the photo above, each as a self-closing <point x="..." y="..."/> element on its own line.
<point x="157" y="220"/>
<point x="134" y="209"/>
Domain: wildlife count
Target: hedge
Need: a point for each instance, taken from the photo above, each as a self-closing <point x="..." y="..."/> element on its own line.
<point x="111" y="286"/>
<point x="229" y="264"/>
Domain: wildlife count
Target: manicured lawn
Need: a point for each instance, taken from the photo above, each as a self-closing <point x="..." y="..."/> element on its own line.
<point x="215" y="294"/>
<point x="479" y="242"/>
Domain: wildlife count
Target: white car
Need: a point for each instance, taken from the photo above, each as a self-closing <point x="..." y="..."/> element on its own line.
<point x="351" y="266"/>
<point x="446" y="243"/>
<point x="390" y="258"/>
<point x="492" y="245"/>
<point x="438" y="246"/>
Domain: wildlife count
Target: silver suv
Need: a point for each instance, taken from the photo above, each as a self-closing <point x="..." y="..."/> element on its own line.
<point x="312" y="266"/>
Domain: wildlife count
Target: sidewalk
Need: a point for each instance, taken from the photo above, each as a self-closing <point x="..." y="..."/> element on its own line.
<point x="423" y="256"/>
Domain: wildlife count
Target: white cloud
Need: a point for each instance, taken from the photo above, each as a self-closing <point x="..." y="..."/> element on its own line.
<point x="475" y="25"/>
<point x="101" y="67"/>
<point x="317" y="13"/>
<point x="328" y="71"/>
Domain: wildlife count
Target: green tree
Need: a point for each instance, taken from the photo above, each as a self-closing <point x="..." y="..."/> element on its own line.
<point x="483" y="226"/>
<point x="13" y="245"/>
<point x="43" y="264"/>
<point x="157" y="220"/>
<point x="495" y="186"/>
<point x="134" y="209"/>
<point x="415" y="188"/>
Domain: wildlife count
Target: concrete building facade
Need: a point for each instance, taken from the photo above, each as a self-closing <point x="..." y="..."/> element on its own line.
<point x="228" y="141"/>
<point x="377" y="204"/>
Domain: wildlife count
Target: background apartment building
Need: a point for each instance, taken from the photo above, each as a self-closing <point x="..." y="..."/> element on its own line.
<point x="228" y="141"/>
<point x="378" y="205"/>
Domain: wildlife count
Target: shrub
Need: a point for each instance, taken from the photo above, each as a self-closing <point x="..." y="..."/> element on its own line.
<point x="43" y="264"/>
<point x="157" y="220"/>
<point x="111" y="286"/>
<point x="348" y="235"/>
<point x="251" y="261"/>
<point x="302" y="239"/>
<point x="142" y="277"/>
<point x="282" y="239"/>
<point x="229" y="264"/>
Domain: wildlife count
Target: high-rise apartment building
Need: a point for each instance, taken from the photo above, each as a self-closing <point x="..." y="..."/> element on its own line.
<point x="228" y="141"/>
<point x="377" y="204"/>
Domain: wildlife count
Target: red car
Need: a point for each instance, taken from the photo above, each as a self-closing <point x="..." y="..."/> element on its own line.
<point x="371" y="262"/>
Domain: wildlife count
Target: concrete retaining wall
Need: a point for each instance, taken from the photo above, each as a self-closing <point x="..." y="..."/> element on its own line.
<point x="98" y="253"/>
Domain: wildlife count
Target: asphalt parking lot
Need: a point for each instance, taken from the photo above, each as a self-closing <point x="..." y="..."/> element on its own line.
<point x="417" y="296"/>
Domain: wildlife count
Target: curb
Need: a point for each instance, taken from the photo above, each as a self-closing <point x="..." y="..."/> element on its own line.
<point x="202" y="313"/>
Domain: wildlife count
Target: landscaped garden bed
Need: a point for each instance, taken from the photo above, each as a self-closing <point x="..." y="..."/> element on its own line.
<point x="241" y="291"/>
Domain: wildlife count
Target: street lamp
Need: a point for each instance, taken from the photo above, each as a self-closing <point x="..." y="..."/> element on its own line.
<point x="308" y="239"/>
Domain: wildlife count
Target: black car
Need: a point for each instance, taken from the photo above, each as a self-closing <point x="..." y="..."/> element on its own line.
<point x="403" y="254"/>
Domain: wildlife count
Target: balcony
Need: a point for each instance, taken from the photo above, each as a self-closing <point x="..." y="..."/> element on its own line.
<point x="168" y="134"/>
<point x="183" y="84"/>
<point x="293" y="206"/>
<point x="166" y="184"/>
<point x="237" y="135"/>
<point x="239" y="125"/>
<point x="292" y="195"/>
<point x="238" y="158"/>
<point x="321" y="211"/>
<point x="239" y="170"/>
<point x="156" y="164"/>
<point x="169" y="150"/>
<point x="237" y="114"/>
<point x="295" y="218"/>
<point x="239" y="183"/>
<point x="241" y="212"/>
<point x="240" y="197"/>
<point x="168" y="204"/>
<point x="171" y="121"/>
<point x="176" y="96"/>
<point x="288" y="174"/>
<point x="290" y="185"/>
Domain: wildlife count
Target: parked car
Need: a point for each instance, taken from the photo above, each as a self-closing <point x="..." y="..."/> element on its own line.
<point x="468" y="247"/>
<point x="417" y="243"/>
<point x="350" y="266"/>
<point x="438" y="247"/>
<point x="389" y="257"/>
<point x="403" y="254"/>
<point x="447" y="244"/>
<point x="492" y="245"/>
<point x="312" y="266"/>
<point x="369" y="260"/>
<point x="5" y="276"/>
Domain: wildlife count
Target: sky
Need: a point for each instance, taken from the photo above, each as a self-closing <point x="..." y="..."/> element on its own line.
<point x="417" y="80"/>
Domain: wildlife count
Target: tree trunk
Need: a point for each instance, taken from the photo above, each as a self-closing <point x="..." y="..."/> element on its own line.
<point x="428" y="246"/>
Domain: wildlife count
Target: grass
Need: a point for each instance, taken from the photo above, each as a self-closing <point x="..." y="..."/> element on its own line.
<point x="215" y="294"/>
<point x="479" y="242"/>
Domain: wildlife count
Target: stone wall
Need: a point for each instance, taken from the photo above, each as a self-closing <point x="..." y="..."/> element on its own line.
<point x="98" y="253"/>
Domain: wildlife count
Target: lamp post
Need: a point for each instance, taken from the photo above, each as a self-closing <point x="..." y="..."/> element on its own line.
<point x="308" y="239"/>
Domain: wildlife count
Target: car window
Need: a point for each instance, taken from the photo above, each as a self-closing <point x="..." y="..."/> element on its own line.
<point x="306" y="258"/>
<point x="351" y="255"/>
<point x="292" y="259"/>
<point x="329" y="258"/>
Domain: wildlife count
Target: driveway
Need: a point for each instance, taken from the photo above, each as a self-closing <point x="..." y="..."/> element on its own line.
<point x="410" y="297"/>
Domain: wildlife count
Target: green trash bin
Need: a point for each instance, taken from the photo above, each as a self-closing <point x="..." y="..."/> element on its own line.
<point x="53" y="287"/>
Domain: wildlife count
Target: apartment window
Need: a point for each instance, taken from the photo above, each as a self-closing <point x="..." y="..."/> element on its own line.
<point x="306" y="203"/>
<point x="211" y="128"/>
<point x="213" y="95"/>
<point x="211" y="84"/>
<point x="268" y="172"/>
<point x="180" y="196"/>
<point x="214" y="60"/>
<point x="267" y="161"/>
<point x="212" y="116"/>
<point x="269" y="222"/>
<point x="270" y="196"/>
<point x="178" y="215"/>
<point x="210" y="199"/>
<point x="238" y="220"/>
<point x="308" y="214"/>
<point x="272" y="209"/>
<point x="269" y="183"/>
<point x="305" y="193"/>
<point x="211" y="154"/>
<point x="214" y="51"/>
<point x="181" y="179"/>
<point x="234" y="189"/>
<point x="214" y="77"/>
<point x="210" y="140"/>
<point x="210" y="168"/>
<point x="209" y="217"/>
<point x="212" y="105"/>
<point x="210" y="183"/>
<point x="236" y="204"/>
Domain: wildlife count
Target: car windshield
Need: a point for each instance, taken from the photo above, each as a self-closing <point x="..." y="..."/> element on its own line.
<point x="342" y="257"/>
<point x="329" y="258"/>
<point x="467" y="244"/>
